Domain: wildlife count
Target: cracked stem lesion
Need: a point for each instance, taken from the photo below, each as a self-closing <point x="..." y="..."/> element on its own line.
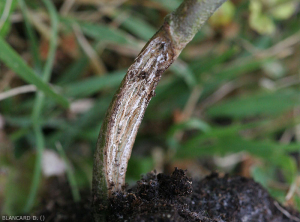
<point x="128" y="106"/>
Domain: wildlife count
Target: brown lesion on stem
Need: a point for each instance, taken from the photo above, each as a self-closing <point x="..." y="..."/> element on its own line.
<point x="126" y="112"/>
<point x="129" y="104"/>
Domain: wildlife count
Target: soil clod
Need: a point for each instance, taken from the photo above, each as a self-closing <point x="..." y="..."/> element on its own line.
<point x="160" y="197"/>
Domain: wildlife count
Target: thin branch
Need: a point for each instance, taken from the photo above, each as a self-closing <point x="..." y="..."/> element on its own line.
<point x="219" y="94"/>
<point x="87" y="48"/>
<point x="16" y="91"/>
<point x="274" y="50"/>
<point x="188" y="110"/>
<point x="285" y="212"/>
<point x="6" y="79"/>
<point x="191" y="103"/>
<point x="66" y="7"/>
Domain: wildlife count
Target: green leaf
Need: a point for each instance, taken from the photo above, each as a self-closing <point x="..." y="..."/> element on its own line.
<point x="90" y="119"/>
<point x="183" y="71"/>
<point x="32" y="37"/>
<point x="74" y="71"/>
<point x="6" y="9"/>
<point x="208" y="63"/>
<point x="94" y="84"/>
<point x="17" y="64"/>
<point x="284" y="10"/>
<point x="224" y="15"/>
<point x="47" y="69"/>
<point x="70" y="173"/>
<point x="262" y="175"/>
<point x="105" y="33"/>
<point x="259" y="21"/>
<point x="138" y="166"/>
<point x="235" y="69"/>
<point x="221" y="141"/>
<point x="297" y="202"/>
<point x="139" y="27"/>
<point x="170" y="94"/>
<point x="170" y="5"/>
<point x="16" y="182"/>
<point x="192" y="123"/>
<point x="225" y="73"/>
<point x="264" y="103"/>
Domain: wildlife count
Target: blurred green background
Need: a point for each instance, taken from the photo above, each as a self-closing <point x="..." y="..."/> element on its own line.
<point x="231" y="101"/>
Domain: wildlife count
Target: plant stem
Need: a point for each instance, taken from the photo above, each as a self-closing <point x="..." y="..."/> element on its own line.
<point x="38" y="105"/>
<point x="129" y="104"/>
<point x="40" y="143"/>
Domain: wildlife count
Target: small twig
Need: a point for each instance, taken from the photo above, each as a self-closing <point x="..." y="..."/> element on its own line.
<point x="66" y="7"/>
<point x="286" y="43"/>
<point x="97" y="63"/>
<point x="291" y="191"/>
<point x="6" y="79"/>
<point x="287" y="82"/>
<point x="110" y="3"/>
<point x="273" y="50"/>
<point x="158" y="156"/>
<point x="286" y="137"/>
<point x="184" y="116"/>
<point x="16" y="91"/>
<point x="125" y="50"/>
<point x="37" y="21"/>
<point x="188" y="110"/>
<point x="230" y="159"/>
<point x="223" y="91"/>
<point x="297" y="127"/>
<point x="285" y="212"/>
<point x="119" y="19"/>
<point x="191" y="103"/>
<point x="90" y="16"/>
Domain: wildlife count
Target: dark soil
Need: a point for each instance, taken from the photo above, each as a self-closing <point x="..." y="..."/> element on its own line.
<point x="176" y="198"/>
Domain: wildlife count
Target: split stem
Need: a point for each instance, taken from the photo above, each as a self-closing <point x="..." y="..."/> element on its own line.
<point x="126" y="111"/>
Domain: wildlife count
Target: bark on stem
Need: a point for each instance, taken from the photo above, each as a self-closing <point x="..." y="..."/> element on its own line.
<point x="129" y="104"/>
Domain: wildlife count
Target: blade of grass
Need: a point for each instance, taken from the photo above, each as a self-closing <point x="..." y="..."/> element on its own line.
<point x="37" y="168"/>
<point x="70" y="173"/>
<point x="91" y="118"/>
<point x="139" y="27"/>
<point x="50" y="59"/>
<point x="74" y="71"/>
<point x="26" y="122"/>
<point x="32" y="38"/>
<point x="5" y="12"/>
<point x="228" y="72"/>
<point x="6" y="9"/>
<point x="38" y="105"/>
<point x="101" y="32"/>
<point x="180" y="69"/>
<point x="261" y="103"/>
<point x="170" y="5"/>
<point x="209" y="62"/>
<point x="17" y="64"/>
<point x="221" y="141"/>
<point x="104" y="33"/>
<point x="94" y="84"/>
